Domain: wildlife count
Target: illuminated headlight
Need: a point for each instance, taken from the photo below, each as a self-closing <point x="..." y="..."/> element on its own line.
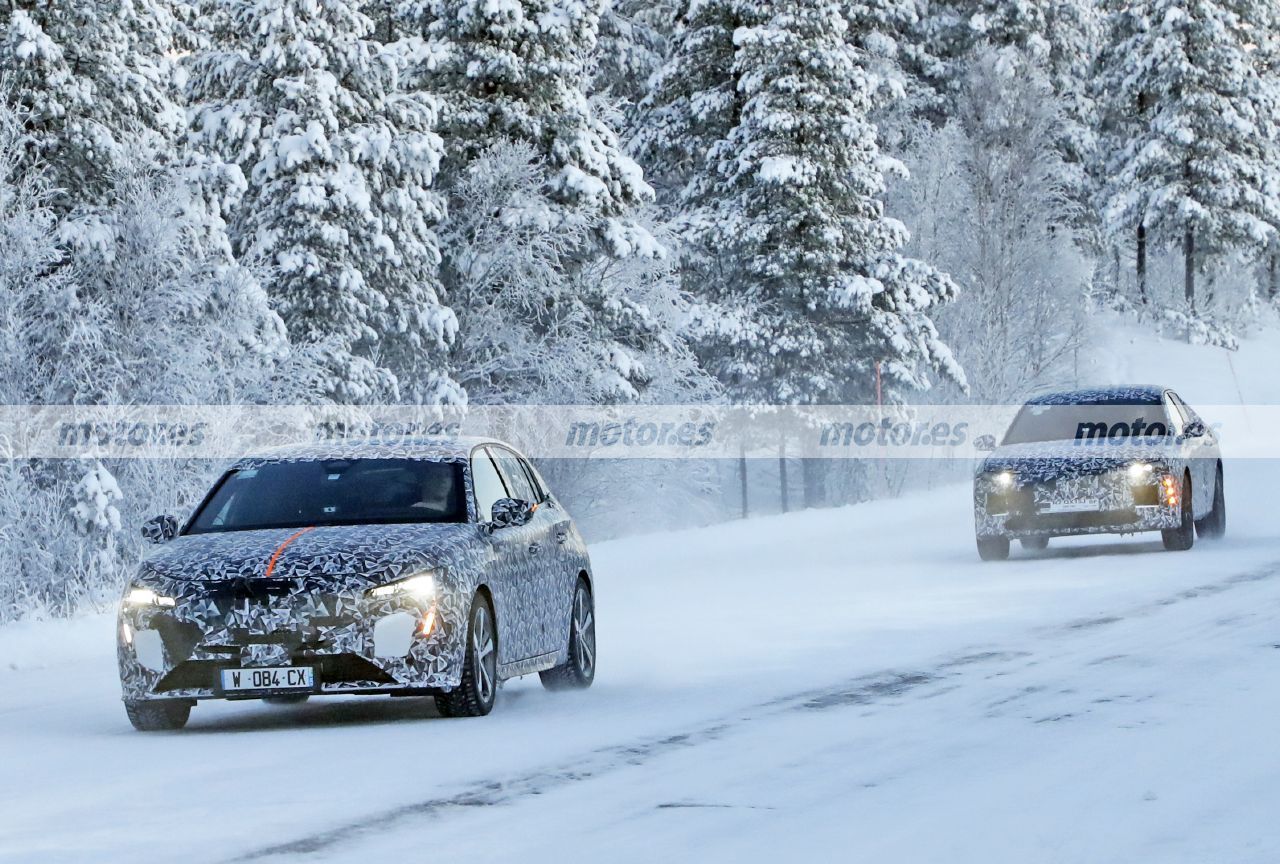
<point x="146" y="597"/>
<point x="421" y="587"/>
<point x="1003" y="480"/>
<point x="1140" y="471"/>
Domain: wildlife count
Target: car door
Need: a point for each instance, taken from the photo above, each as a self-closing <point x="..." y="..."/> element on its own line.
<point x="540" y="577"/>
<point x="509" y="563"/>
<point x="566" y="547"/>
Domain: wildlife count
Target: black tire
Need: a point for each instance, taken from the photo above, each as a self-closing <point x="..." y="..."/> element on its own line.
<point x="993" y="548"/>
<point x="287" y="700"/>
<point x="1035" y="544"/>
<point x="580" y="671"/>
<point x="1183" y="537"/>
<point x="478" y="690"/>
<point x="167" y="715"/>
<point x="1214" y="526"/>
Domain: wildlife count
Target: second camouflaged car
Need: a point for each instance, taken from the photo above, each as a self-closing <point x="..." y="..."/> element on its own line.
<point x="424" y="568"/>
<point x="1120" y="460"/>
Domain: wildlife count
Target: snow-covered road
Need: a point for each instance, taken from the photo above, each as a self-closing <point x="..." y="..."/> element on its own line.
<point x="849" y="682"/>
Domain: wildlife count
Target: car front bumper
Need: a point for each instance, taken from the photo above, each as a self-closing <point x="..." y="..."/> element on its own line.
<point x="356" y="645"/>
<point x="1111" y="503"/>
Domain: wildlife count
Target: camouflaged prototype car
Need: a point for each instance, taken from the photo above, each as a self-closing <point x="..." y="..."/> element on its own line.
<point x="1109" y="461"/>
<point x="423" y="568"/>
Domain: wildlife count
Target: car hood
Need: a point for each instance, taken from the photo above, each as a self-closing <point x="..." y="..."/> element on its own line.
<point x="378" y="553"/>
<point x="1057" y="460"/>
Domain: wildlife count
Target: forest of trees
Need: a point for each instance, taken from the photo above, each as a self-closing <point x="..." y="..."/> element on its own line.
<point x="600" y="201"/>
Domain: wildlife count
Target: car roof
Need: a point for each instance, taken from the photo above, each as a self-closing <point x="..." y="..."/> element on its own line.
<point x="1126" y="395"/>
<point x="443" y="449"/>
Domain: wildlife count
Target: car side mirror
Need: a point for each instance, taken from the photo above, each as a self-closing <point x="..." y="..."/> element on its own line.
<point x="1194" y="429"/>
<point x="510" y="513"/>
<point x="985" y="443"/>
<point x="161" y="529"/>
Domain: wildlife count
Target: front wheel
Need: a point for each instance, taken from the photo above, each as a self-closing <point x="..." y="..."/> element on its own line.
<point x="993" y="548"/>
<point x="478" y="690"/>
<point x="1214" y="526"/>
<point x="167" y="715"/>
<point x="1183" y="537"/>
<point x="580" y="670"/>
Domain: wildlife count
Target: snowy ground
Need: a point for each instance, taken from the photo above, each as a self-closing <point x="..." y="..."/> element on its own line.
<point x="852" y="684"/>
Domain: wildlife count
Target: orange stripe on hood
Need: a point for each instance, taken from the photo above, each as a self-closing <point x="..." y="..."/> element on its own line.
<point x="275" y="556"/>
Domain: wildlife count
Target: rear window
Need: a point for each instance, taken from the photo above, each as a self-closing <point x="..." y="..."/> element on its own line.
<point x="334" y="492"/>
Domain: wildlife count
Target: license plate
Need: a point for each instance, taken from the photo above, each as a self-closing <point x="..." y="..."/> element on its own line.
<point x="1074" y="507"/>
<point x="266" y="679"/>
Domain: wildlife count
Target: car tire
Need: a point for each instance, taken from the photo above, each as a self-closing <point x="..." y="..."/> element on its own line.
<point x="478" y="690"/>
<point x="167" y="715"/>
<point x="1035" y="544"/>
<point x="580" y="670"/>
<point x="1214" y="526"/>
<point x="1183" y="537"/>
<point x="993" y="548"/>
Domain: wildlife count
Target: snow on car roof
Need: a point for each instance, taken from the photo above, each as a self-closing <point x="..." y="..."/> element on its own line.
<point x="421" y="449"/>
<point x="1129" y="395"/>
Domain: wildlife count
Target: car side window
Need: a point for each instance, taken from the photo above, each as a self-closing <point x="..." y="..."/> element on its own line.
<point x="517" y="481"/>
<point x="1188" y="413"/>
<point x="1180" y="413"/>
<point x="535" y="481"/>
<point x="489" y="488"/>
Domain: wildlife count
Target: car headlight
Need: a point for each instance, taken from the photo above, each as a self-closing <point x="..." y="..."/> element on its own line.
<point x="1140" y="471"/>
<point x="420" y="587"/>
<point x="139" y="596"/>
<point x="1003" y="479"/>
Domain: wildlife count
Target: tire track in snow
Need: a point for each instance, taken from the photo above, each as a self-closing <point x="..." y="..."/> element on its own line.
<point x="866" y="690"/>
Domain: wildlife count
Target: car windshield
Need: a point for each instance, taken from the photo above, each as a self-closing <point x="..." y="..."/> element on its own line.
<point x="334" y="492"/>
<point x="1036" y="423"/>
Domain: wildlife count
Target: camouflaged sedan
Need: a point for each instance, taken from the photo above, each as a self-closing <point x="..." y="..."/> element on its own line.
<point x="1110" y="461"/>
<point x="434" y="568"/>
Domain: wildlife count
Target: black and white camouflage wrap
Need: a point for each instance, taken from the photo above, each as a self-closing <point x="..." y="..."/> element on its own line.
<point x="1034" y="489"/>
<point x="316" y="608"/>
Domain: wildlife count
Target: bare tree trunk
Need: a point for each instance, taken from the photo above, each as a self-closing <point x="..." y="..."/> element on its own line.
<point x="1273" y="287"/>
<point x="742" y="474"/>
<point x="1189" y="273"/>
<point x="815" y="483"/>
<point x="1115" y="271"/>
<point x="1142" y="264"/>
<point x="1189" y="267"/>
<point x="782" y="477"/>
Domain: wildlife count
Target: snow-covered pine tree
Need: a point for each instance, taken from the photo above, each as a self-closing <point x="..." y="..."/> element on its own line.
<point x="693" y="101"/>
<point x="632" y="47"/>
<point x="95" y="81"/>
<point x="337" y="169"/>
<point x="808" y="275"/>
<point x="520" y="71"/>
<point x="1188" y="142"/>
<point x="1059" y="35"/>
<point x="515" y="78"/>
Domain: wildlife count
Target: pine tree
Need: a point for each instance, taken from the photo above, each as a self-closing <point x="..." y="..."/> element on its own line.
<point x="95" y="81"/>
<point x="1058" y="35"/>
<point x="518" y="71"/>
<point x="337" y="167"/>
<point x="693" y="100"/>
<point x="802" y="181"/>
<point x="1188" y="129"/>
<point x="632" y="47"/>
